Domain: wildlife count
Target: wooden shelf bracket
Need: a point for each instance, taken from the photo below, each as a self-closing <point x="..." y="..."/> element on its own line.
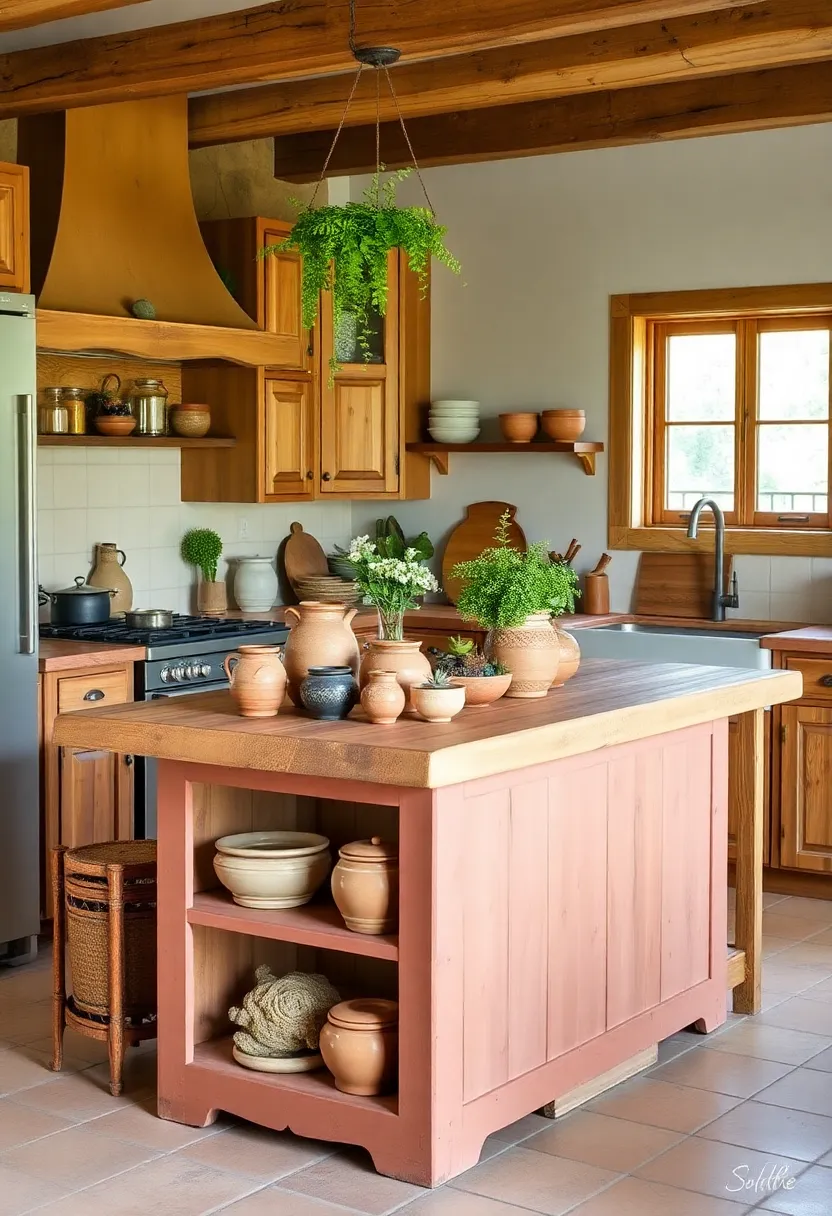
<point x="439" y="453"/>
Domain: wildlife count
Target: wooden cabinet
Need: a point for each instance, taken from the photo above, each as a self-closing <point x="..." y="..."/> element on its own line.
<point x="14" y="228"/>
<point x="806" y="787"/>
<point x="96" y="797"/>
<point x="288" y="439"/>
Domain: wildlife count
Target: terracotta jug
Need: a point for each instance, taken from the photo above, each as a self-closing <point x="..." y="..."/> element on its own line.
<point x="405" y="658"/>
<point x="531" y="652"/>
<point x="360" y="1045"/>
<point x="321" y="636"/>
<point x="570" y="656"/>
<point x="107" y="572"/>
<point x="383" y="697"/>
<point x="365" y="885"/>
<point x="258" y="680"/>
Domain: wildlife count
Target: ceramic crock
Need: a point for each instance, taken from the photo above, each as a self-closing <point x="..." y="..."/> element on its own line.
<point x="108" y="572"/>
<point x="405" y="658"/>
<point x="360" y="1045"/>
<point x="365" y="885"/>
<point x="570" y="655"/>
<point x="383" y="697"/>
<point x="328" y="693"/>
<point x="255" y="584"/>
<point x="257" y="679"/>
<point x="531" y="652"/>
<point x="320" y="635"/>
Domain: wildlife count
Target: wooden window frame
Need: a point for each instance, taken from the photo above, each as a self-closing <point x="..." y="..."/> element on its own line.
<point x="633" y="449"/>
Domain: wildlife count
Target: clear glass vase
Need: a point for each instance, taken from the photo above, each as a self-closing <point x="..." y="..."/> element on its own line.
<point x="390" y="624"/>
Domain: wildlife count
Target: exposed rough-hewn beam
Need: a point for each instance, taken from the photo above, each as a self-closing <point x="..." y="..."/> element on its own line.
<point x="751" y="101"/>
<point x="20" y="14"/>
<point x="295" y="38"/>
<point x="769" y="34"/>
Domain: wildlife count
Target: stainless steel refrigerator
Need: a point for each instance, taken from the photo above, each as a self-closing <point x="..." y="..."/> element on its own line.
<point x="19" y="806"/>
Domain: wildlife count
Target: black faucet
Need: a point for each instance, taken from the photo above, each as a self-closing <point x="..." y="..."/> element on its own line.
<point x="721" y="600"/>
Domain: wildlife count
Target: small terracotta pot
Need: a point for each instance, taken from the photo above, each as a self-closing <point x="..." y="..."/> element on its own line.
<point x="115" y="424"/>
<point x="211" y="599"/>
<point x="383" y="697"/>
<point x="437" y="704"/>
<point x="518" y="428"/>
<point x="483" y="690"/>
<point x="321" y="636"/>
<point x="530" y="651"/>
<point x="405" y="658"/>
<point x="365" y="885"/>
<point x="564" y="426"/>
<point x="257" y="679"/>
<point x="570" y="656"/>
<point x="360" y="1045"/>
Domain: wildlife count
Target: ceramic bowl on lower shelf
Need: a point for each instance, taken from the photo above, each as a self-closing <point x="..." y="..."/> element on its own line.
<point x="272" y="869"/>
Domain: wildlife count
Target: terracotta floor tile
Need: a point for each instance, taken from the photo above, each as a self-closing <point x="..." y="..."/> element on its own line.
<point x="21" y="1023"/>
<point x="349" y="1179"/>
<point x="76" y="1097"/>
<point x="546" y="1184"/>
<point x="819" y="992"/>
<point x="803" y="1089"/>
<point x="723" y="1171"/>
<point x="635" y="1197"/>
<point x="800" y="1014"/>
<point x="793" y="927"/>
<point x="258" y="1152"/>
<point x="21" y="1067"/>
<point x="448" y="1202"/>
<point x="773" y="1129"/>
<point x="676" y="1107"/>
<point x="139" y="1123"/>
<point x="770" y="898"/>
<point x="772" y="946"/>
<point x="612" y="1144"/>
<point x="269" y="1201"/>
<point x="20" y="1124"/>
<point x="76" y="1158"/>
<point x="810" y="1196"/>
<point x="677" y="1045"/>
<point x="781" y="977"/>
<point x="721" y="1072"/>
<point x="770" y="1043"/>
<point x="76" y="1047"/>
<point x="823" y="1062"/>
<point x="23" y="1193"/>
<point x="807" y="954"/>
<point x="521" y="1129"/>
<point x="811" y="909"/>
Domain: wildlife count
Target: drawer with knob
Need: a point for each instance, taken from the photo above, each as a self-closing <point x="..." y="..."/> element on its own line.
<point x="817" y="678"/>
<point x="93" y="690"/>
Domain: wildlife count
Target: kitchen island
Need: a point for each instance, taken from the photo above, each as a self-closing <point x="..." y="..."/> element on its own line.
<point x="562" y="892"/>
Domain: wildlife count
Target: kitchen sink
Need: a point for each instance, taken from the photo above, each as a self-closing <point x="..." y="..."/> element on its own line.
<point x="675" y="644"/>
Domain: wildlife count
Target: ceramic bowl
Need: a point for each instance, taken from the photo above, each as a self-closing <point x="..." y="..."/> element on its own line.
<point x="272" y="869"/>
<point x="482" y="690"/>
<point x="451" y="403"/>
<point x="437" y="704"/>
<point x="518" y="428"/>
<point x="447" y="434"/>
<point x="115" y="424"/>
<point x="563" y="425"/>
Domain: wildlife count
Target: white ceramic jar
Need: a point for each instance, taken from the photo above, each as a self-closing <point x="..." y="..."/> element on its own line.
<point x="255" y="584"/>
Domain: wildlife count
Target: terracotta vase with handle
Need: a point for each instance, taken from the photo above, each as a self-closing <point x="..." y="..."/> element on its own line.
<point x="257" y="679"/>
<point x="405" y="658"/>
<point x="320" y="636"/>
<point x="108" y="572"/>
<point x="531" y="652"/>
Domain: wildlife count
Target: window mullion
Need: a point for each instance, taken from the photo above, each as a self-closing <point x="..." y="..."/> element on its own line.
<point x="747" y="361"/>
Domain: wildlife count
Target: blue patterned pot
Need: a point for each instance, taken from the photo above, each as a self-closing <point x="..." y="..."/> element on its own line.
<point x="329" y="693"/>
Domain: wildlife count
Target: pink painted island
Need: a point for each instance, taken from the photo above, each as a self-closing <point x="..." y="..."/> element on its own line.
<point x="562" y="880"/>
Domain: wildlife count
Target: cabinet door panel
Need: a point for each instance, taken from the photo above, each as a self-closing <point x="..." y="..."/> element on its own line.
<point x="14" y="242"/>
<point x="289" y="440"/>
<point x="282" y="301"/>
<point x="359" y="437"/>
<point x="806" y="788"/>
<point x="96" y="797"/>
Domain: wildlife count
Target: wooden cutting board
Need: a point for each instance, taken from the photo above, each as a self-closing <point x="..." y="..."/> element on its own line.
<point x="475" y="533"/>
<point x="677" y="584"/>
<point x="303" y="557"/>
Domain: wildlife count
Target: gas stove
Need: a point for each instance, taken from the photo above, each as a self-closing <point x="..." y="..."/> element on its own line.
<point x="187" y="636"/>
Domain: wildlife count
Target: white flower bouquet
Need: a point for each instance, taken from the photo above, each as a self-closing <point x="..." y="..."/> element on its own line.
<point x="391" y="583"/>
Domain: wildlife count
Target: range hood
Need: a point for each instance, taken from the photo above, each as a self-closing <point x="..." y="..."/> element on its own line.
<point x="113" y="221"/>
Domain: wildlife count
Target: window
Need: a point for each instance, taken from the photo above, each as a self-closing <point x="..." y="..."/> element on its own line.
<point x="726" y="395"/>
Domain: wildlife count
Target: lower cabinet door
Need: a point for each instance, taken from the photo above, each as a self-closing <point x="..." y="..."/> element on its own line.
<point x="96" y="797"/>
<point x="360" y="433"/>
<point x="806" y="788"/>
<point x="289" y="439"/>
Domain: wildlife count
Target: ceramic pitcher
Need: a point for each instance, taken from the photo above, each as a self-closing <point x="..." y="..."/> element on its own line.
<point x="108" y="572"/>
<point x="257" y="679"/>
<point x="320" y="636"/>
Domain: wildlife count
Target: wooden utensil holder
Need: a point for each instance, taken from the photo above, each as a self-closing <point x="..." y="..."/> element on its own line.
<point x="596" y="601"/>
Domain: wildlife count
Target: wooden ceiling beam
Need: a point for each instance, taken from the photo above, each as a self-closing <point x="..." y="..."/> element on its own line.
<point x="282" y="41"/>
<point x="774" y="33"/>
<point x="751" y="101"/>
<point x="21" y="14"/>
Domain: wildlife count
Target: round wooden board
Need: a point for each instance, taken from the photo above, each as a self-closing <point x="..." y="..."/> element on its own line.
<point x="475" y="533"/>
<point x="303" y="557"/>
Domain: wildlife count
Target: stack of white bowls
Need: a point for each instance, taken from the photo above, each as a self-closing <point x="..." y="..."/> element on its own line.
<point x="454" y="421"/>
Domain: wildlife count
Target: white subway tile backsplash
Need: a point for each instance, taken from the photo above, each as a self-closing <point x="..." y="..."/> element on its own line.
<point x="792" y="575"/>
<point x="137" y="569"/>
<point x="69" y="455"/>
<point x="46" y="497"/>
<point x="104" y="485"/>
<point x="70" y="530"/>
<point x="46" y="533"/>
<point x="753" y="573"/>
<point x="791" y="606"/>
<point x="167" y="569"/>
<point x="754" y="605"/>
<point x="69" y="489"/>
<point x="67" y="567"/>
<point x="134" y="485"/>
<point x="134" y="528"/>
<point x="163" y="486"/>
<point x="165" y="527"/>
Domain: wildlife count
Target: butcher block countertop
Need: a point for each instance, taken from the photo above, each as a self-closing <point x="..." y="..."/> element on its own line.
<point x="809" y="639"/>
<point x="55" y="654"/>
<point x="603" y="705"/>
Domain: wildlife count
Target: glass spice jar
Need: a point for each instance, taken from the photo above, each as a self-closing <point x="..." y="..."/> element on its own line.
<point x="53" y="415"/>
<point x="148" y="402"/>
<point x="76" y="406"/>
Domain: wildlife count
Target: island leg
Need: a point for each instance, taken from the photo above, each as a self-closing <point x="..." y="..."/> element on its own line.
<point x="749" y="864"/>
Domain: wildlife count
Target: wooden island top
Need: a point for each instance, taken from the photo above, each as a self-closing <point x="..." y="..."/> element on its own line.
<point x="606" y="704"/>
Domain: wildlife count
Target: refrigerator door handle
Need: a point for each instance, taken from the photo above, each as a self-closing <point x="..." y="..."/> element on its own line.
<point x="26" y="537"/>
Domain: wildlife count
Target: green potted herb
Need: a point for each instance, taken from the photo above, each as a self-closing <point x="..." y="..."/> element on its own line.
<point x="514" y="595"/>
<point x="201" y="547"/>
<point x="437" y="699"/>
<point x="484" y="679"/>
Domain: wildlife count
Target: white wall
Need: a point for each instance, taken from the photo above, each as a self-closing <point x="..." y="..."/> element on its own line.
<point x="544" y="242"/>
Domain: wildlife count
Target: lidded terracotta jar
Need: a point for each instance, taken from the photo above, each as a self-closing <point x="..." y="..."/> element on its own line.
<point x="258" y="680"/>
<point x="383" y="697"/>
<point x="108" y="572"/>
<point x="405" y="658"/>
<point x="360" y="1045"/>
<point x="570" y="655"/>
<point x="531" y="652"/>
<point x="365" y="885"/>
<point x="320" y="636"/>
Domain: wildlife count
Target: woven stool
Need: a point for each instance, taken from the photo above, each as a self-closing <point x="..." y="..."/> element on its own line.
<point x="104" y="896"/>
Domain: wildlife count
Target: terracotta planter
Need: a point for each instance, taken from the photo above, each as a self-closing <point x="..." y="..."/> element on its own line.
<point x="211" y="599"/>
<point x="405" y="658"/>
<point x="320" y="637"/>
<point x="530" y="651"/>
<point x="258" y="680"/>
<point x="115" y="424"/>
<point x="360" y="1045"/>
<point x="365" y="885"/>
<point x="483" y="690"/>
<point x="570" y="656"/>
<point x="518" y="428"/>
<point x="108" y="572"/>
<point x="383" y="697"/>
<point x="437" y="704"/>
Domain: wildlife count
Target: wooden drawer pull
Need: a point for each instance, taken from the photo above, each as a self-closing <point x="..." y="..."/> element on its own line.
<point x="826" y="681"/>
<point x="94" y="694"/>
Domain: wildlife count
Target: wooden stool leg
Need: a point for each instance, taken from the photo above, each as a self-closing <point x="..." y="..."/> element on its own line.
<point x="58" y="957"/>
<point x="115" y="1038"/>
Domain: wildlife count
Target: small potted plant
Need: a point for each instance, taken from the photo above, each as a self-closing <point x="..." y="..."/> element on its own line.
<point x="514" y="596"/>
<point x="201" y="547"/>
<point x="437" y="699"/>
<point x="484" y="680"/>
<point x="115" y="418"/>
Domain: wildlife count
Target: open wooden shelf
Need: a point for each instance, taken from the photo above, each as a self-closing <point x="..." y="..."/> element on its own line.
<point x="585" y="451"/>
<point x="315" y="924"/>
<point x="133" y="441"/>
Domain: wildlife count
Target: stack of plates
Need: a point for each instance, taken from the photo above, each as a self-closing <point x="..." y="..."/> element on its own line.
<point x="327" y="589"/>
<point x="454" y="421"/>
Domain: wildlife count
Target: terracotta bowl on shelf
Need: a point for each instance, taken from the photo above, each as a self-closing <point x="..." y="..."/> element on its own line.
<point x="482" y="690"/>
<point x="518" y="428"/>
<point x="564" y="426"/>
<point x="115" y="424"/>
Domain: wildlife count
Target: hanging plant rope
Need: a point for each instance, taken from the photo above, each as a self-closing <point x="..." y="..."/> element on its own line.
<point x="345" y="249"/>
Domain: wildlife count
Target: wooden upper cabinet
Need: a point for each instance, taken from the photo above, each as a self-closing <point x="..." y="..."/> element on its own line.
<point x="14" y="228"/>
<point x="288" y="439"/>
<point x="806" y="788"/>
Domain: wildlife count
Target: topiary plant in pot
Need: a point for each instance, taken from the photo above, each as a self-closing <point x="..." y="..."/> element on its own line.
<point x="202" y="547"/>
